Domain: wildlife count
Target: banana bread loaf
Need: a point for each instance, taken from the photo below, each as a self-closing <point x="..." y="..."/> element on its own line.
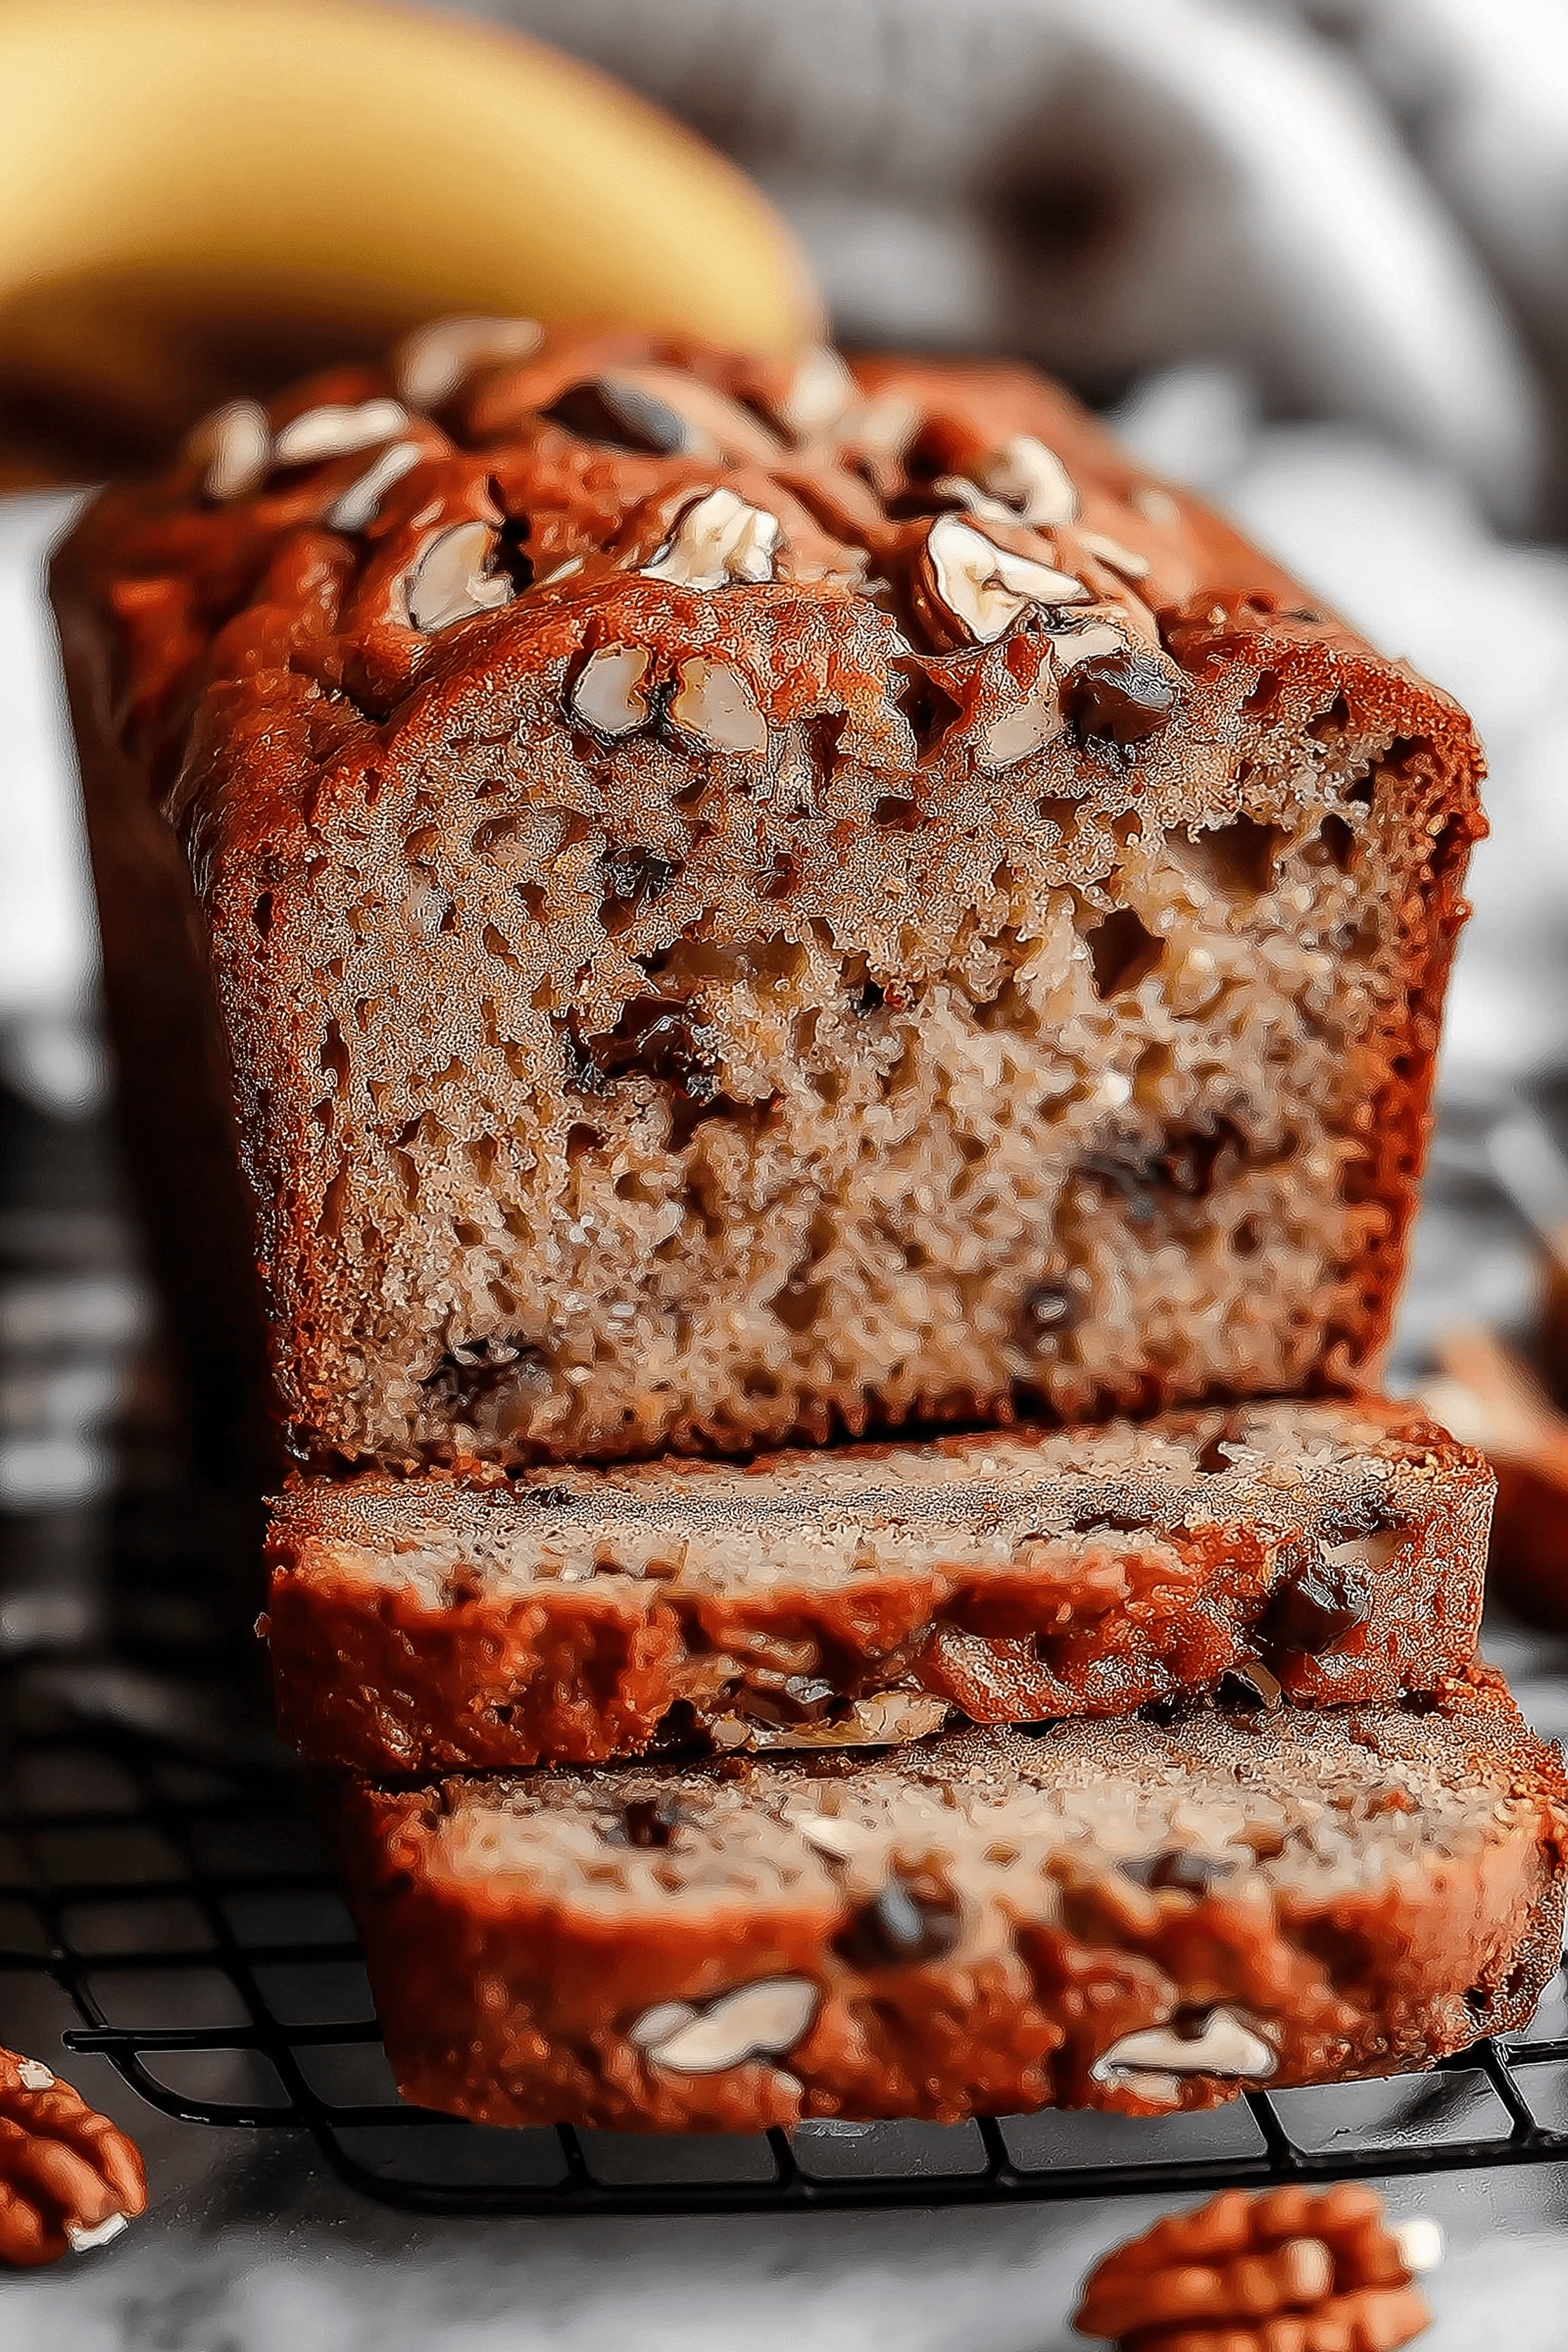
<point x="745" y="901"/>
<point x="1322" y="1552"/>
<point x="1109" y="1914"/>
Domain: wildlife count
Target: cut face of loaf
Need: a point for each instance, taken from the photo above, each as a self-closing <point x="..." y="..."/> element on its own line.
<point x="1104" y="1914"/>
<point x="1304" y="1553"/>
<point x="740" y="912"/>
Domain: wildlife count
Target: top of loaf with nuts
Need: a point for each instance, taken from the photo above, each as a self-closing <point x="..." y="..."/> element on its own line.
<point x="924" y="508"/>
<point x="751" y="899"/>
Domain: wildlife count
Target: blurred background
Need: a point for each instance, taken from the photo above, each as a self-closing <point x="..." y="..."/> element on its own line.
<point x="1308" y="256"/>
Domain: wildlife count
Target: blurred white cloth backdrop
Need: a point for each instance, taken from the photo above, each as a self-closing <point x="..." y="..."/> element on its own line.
<point x="1480" y="95"/>
<point x="45" y="934"/>
<point x="1110" y="189"/>
<point x="47" y="938"/>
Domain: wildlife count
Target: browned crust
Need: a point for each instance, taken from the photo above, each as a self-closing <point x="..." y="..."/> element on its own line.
<point x="513" y="2005"/>
<point x="210" y="679"/>
<point x="380" y="1674"/>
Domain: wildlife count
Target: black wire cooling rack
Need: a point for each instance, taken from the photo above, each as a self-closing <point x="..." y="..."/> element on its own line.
<point x="189" y="1912"/>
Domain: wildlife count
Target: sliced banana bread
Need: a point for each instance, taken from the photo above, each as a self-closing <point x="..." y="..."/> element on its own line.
<point x="1106" y="1914"/>
<point x="1315" y="1551"/>
<point x="746" y="901"/>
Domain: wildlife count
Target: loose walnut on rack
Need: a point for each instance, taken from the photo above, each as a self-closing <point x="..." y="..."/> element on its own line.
<point x="1294" y="2270"/>
<point x="68" y="2175"/>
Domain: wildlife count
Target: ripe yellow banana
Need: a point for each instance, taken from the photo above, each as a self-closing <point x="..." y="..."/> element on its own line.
<point x="203" y="196"/>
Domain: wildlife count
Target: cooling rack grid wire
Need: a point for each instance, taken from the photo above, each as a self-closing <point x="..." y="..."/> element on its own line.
<point x="190" y="1914"/>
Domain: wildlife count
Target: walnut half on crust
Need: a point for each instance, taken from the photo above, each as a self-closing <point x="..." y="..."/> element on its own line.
<point x="68" y="2177"/>
<point x="1291" y="2271"/>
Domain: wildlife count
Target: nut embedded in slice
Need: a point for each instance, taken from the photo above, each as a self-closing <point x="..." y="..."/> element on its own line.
<point x="1021" y="732"/>
<point x="1040" y="717"/>
<point x="449" y="582"/>
<point x="714" y="704"/>
<point x="759" y="2021"/>
<point x="1096" y="642"/>
<point x="886" y="1716"/>
<point x="1121" y="699"/>
<point x="658" y="2023"/>
<point x="902" y="1925"/>
<point x="1227" y="2046"/>
<point x="609" y="692"/>
<point x="1027" y="727"/>
<point x="716" y="543"/>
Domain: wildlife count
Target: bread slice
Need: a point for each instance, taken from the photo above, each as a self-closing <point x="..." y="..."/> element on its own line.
<point x="1109" y="1914"/>
<point x="742" y="905"/>
<point x="1322" y="1552"/>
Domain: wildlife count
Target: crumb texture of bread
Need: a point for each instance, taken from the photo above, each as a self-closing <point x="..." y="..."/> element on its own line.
<point x="742" y="913"/>
<point x="1307" y="1553"/>
<point x="1101" y="1914"/>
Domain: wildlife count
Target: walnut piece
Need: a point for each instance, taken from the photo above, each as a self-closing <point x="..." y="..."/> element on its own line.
<point x="717" y="542"/>
<point x="1153" y="2062"/>
<point x="1293" y="2270"/>
<point x="337" y="430"/>
<point x="756" y="2021"/>
<point x="1031" y="481"/>
<point x="983" y="587"/>
<point x="713" y="703"/>
<point x="1124" y="560"/>
<point x="610" y="695"/>
<point x="235" y="444"/>
<point x="429" y="365"/>
<point x="448" y="581"/>
<point x="713" y="423"/>
<point x="68" y="2178"/>
<point x="886" y="1716"/>
<point x="819" y="393"/>
<point x="361" y="502"/>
